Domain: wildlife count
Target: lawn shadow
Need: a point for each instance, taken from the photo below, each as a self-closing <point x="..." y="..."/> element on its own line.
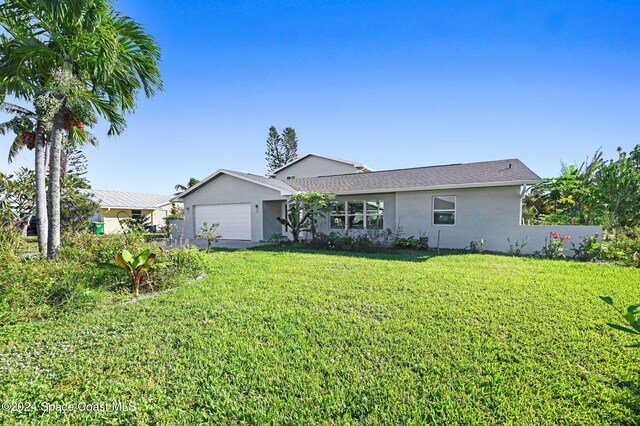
<point x="385" y="254"/>
<point x="632" y="399"/>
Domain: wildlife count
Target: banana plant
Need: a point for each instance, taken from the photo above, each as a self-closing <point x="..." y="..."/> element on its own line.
<point x="137" y="267"/>
<point x="632" y="317"/>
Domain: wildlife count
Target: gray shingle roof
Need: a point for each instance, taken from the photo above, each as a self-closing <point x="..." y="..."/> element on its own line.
<point x="489" y="173"/>
<point x="134" y="200"/>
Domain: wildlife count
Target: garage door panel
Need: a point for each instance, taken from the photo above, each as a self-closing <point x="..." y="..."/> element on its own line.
<point x="234" y="219"/>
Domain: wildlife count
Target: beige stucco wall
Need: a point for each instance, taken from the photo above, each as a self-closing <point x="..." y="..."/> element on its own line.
<point x="112" y="224"/>
<point x="313" y="166"/>
<point x="159" y="214"/>
<point x="226" y="189"/>
<point x="110" y="218"/>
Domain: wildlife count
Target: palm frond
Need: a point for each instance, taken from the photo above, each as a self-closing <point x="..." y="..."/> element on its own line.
<point x="5" y="127"/>
<point x="10" y="108"/>
<point x="15" y="148"/>
<point x="79" y="137"/>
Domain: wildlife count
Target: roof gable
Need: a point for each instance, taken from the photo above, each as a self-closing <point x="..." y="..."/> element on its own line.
<point x="358" y="166"/>
<point x="274" y="184"/>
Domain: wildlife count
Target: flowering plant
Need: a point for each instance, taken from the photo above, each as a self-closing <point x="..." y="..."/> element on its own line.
<point x="209" y="233"/>
<point x="554" y="246"/>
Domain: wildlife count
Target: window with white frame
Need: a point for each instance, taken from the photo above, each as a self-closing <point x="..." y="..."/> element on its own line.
<point x="375" y="214"/>
<point x="357" y="214"/>
<point x="444" y="210"/>
<point x="137" y="215"/>
<point x="337" y="216"/>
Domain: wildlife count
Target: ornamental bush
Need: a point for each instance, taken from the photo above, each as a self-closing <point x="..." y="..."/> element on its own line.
<point x="624" y="249"/>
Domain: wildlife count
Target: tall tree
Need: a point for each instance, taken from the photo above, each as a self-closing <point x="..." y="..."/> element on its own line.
<point x="26" y="86"/>
<point x="289" y="145"/>
<point x="568" y="198"/>
<point x="77" y="204"/>
<point x="273" y="155"/>
<point x="97" y="59"/>
<point x="29" y="129"/>
<point x="281" y="148"/>
<point x="30" y="132"/>
<point x="618" y="190"/>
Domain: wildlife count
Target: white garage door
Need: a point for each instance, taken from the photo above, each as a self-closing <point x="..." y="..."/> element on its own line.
<point x="234" y="219"/>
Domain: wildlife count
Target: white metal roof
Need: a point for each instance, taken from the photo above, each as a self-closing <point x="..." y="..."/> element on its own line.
<point x="132" y="200"/>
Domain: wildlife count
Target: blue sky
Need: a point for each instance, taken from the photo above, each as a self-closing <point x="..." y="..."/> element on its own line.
<point x="389" y="84"/>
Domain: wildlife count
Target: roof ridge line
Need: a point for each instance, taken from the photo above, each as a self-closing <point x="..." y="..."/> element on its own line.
<point x="413" y="168"/>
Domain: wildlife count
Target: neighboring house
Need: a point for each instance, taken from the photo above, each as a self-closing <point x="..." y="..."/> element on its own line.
<point x="451" y="204"/>
<point x="118" y="205"/>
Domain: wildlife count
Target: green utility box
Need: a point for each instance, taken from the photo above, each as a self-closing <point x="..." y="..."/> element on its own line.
<point x="97" y="228"/>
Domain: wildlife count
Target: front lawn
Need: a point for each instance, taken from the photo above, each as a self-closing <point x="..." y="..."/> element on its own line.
<point x="303" y="337"/>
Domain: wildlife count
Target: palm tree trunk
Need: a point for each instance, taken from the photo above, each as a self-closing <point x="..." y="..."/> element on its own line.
<point x="53" y="203"/>
<point x="41" y="188"/>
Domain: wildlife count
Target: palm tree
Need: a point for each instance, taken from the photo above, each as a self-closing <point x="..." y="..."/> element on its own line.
<point x="96" y="60"/>
<point x="30" y="133"/>
<point x="29" y="129"/>
<point x="26" y="80"/>
<point x="181" y="188"/>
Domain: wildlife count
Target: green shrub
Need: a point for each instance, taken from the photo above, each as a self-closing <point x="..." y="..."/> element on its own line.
<point x="82" y="246"/>
<point x="374" y="241"/>
<point x="362" y="242"/>
<point x="515" y="249"/>
<point x="32" y="290"/>
<point x="413" y="243"/>
<point x="477" y="246"/>
<point x="38" y="289"/>
<point x="588" y="249"/>
<point x="623" y="249"/>
<point x="11" y="243"/>
<point x="184" y="262"/>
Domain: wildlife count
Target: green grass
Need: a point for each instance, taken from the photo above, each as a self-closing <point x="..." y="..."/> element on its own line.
<point x="31" y="245"/>
<point x="303" y="337"/>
